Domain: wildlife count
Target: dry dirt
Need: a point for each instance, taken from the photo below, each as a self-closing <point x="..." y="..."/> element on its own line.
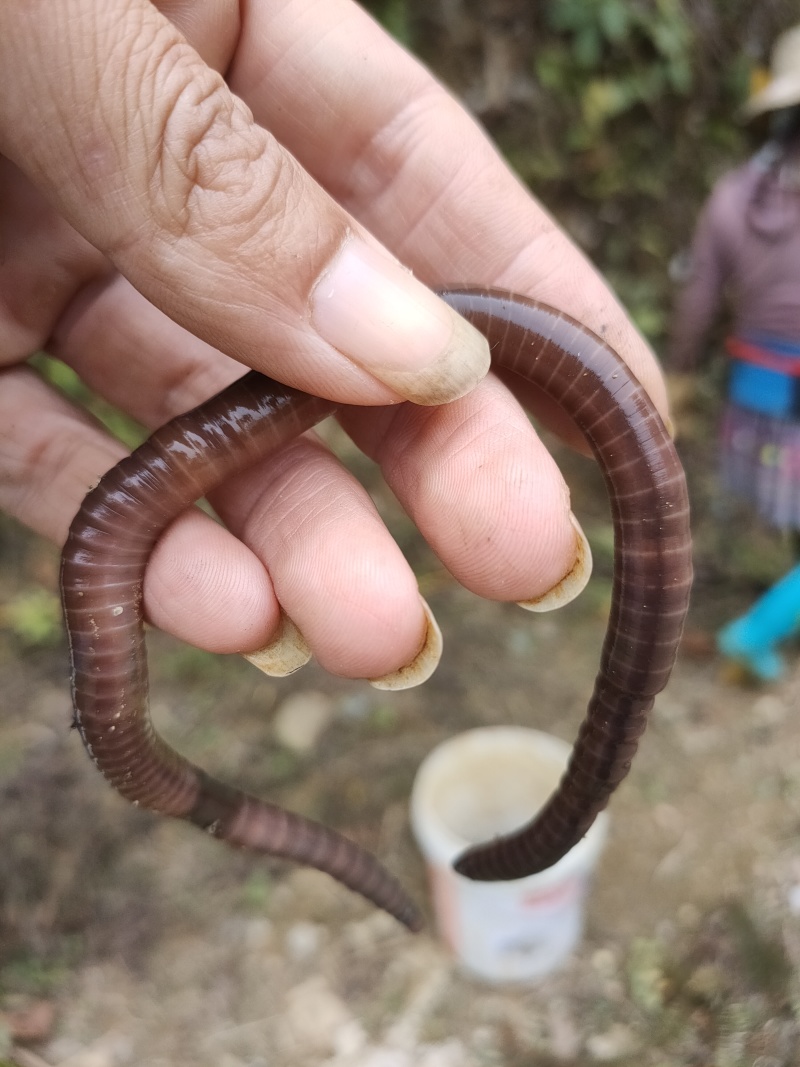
<point x="139" y="941"/>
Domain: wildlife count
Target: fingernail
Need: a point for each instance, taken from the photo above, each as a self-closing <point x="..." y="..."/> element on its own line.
<point x="422" y="665"/>
<point x="377" y="314"/>
<point x="286" y="653"/>
<point x="574" y="581"/>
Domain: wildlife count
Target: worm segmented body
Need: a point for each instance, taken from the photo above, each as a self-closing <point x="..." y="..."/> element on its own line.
<point x="118" y="524"/>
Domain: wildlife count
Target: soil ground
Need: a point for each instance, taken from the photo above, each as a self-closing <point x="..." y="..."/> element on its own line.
<point x="128" y="939"/>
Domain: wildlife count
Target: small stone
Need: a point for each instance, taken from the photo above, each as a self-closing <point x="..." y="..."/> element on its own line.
<point x="616" y="1042"/>
<point x="605" y="962"/>
<point x="350" y="1039"/>
<point x="361" y="935"/>
<point x="383" y="1056"/>
<point x="301" y="719"/>
<point x="448" y="1054"/>
<point x="769" y="710"/>
<point x="313" y="1017"/>
<point x="303" y="941"/>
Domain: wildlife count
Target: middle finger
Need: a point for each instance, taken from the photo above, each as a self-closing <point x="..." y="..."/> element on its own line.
<point x="472" y="474"/>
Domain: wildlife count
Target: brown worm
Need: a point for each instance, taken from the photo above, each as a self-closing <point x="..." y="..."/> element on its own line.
<point x="119" y="522"/>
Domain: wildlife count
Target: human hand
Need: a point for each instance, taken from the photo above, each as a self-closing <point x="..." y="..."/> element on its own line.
<point x="156" y="235"/>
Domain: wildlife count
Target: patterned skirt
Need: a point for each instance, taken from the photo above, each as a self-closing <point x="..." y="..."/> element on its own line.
<point x="760" y="462"/>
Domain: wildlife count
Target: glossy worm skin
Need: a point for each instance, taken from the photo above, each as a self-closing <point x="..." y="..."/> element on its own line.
<point x="652" y="563"/>
<point x="119" y="522"/>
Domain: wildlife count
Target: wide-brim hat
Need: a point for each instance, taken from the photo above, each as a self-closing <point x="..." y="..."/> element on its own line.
<point x="783" y="87"/>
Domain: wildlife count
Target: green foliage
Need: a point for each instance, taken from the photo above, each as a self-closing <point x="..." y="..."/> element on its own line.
<point x="257" y="892"/>
<point x="763" y="958"/>
<point x="646" y="967"/>
<point x="186" y="665"/>
<point x="67" y="381"/>
<point x="624" y="81"/>
<point x="631" y="112"/>
<point x="593" y="35"/>
<point x="608" y="60"/>
<point x="33" y="616"/>
<point x="37" y="976"/>
<point x="383" y="718"/>
<point x="395" y="17"/>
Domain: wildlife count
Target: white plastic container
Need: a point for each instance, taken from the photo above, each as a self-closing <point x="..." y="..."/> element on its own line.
<point x="471" y="788"/>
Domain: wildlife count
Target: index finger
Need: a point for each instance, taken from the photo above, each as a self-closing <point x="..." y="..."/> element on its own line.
<point x="391" y="145"/>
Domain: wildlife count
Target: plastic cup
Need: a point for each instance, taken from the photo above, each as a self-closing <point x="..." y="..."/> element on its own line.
<point x="469" y="789"/>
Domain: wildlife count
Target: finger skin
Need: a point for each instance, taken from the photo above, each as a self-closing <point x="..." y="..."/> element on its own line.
<point x="299" y="510"/>
<point x="50" y="454"/>
<point x="336" y="573"/>
<point x="413" y="166"/>
<point x="475" y="479"/>
<point x="472" y="475"/>
<point x="204" y="585"/>
<point x="146" y="151"/>
<point x="378" y="133"/>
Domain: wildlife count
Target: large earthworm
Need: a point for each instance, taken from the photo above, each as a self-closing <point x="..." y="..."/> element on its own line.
<point x="120" y="521"/>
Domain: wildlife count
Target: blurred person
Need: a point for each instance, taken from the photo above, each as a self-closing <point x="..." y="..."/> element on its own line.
<point x="746" y="253"/>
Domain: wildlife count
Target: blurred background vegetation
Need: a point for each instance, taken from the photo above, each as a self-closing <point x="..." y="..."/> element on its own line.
<point x="619" y="114"/>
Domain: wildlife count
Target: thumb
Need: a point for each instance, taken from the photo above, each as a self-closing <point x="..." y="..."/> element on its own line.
<point x="147" y="153"/>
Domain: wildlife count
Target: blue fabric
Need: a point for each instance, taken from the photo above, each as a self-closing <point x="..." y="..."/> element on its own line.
<point x="752" y="638"/>
<point x="761" y="388"/>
